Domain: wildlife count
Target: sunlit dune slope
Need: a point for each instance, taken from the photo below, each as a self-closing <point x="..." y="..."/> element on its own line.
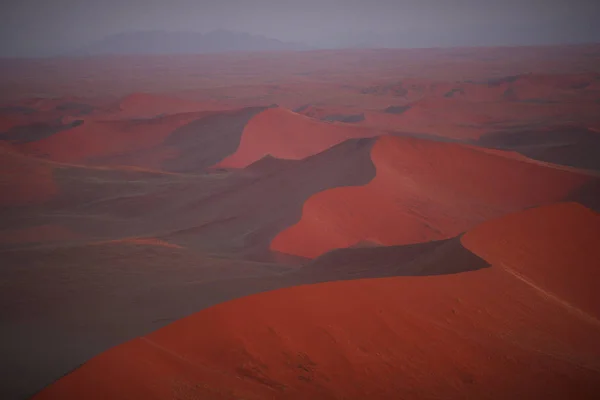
<point x="555" y="248"/>
<point x="284" y="134"/>
<point x="484" y="334"/>
<point x="423" y="190"/>
<point x="24" y="180"/>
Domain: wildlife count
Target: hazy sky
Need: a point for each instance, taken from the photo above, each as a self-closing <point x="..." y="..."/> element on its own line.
<point x="45" y="27"/>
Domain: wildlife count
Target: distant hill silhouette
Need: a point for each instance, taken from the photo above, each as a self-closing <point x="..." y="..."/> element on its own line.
<point x="161" y="42"/>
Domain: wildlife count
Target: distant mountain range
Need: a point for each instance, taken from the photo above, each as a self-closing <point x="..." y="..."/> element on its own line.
<point x="218" y="41"/>
<point x="161" y="42"/>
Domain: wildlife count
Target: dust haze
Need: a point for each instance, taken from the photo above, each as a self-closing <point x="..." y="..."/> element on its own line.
<point x="31" y="28"/>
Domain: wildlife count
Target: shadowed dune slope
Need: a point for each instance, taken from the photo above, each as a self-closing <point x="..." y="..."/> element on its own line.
<point x="566" y="145"/>
<point x="330" y="113"/>
<point x="146" y="241"/>
<point x="70" y="303"/>
<point x="423" y="190"/>
<point x="111" y="293"/>
<point x="530" y="87"/>
<point x="41" y="116"/>
<point x="193" y="146"/>
<point x="235" y="212"/>
<point x="148" y="105"/>
<point x="461" y="119"/>
<point x="24" y="180"/>
<point x="430" y="258"/>
<point x="179" y="142"/>
<point x="588" y="195"/>
<point x="553" y="247"/>
<point x="208" y="140"/>
<point x="550" y="87"/>
<point x="95" y="139"/>
<point x="14" y="116"/>
<point x="249" y="207"/>
<point x="484" y="334"/>
<point x="37" y="130"/>
<point x="284" y="134"/>
<point x="35" y="234"/>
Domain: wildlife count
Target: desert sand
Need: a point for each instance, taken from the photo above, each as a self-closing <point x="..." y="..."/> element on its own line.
<point x="487" y="334"/>
<point x="286" y="135"/>
<point x="423" y="190"/>
<point x="356" y="224"/>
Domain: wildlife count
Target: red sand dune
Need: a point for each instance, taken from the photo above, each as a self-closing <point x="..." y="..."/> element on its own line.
<point x="10" y="121"/>
<point x="461" y="117"/>
<point x="526" y="244"/>
<point x="51" y="110"/>
<point x="554" y="87"/>
<point x="423" y="190"/>
<point x="510" y="87"/>
<point x="50" y="104"/>
<point x="448" y="118"/>
<point x="485" y="334"/>
<point x="36" y="234"/>
<point x="417" y="89"/>
<point x="147" y="105"/>
<point x="284" y="134"/>
<point x="24" y="180"/>
<point x="324" y="111"/>
<point x="105" y="138"/>
<point x="423" y="120"/>
<point x="500" y="114"/>
<point x="148" y="241"/>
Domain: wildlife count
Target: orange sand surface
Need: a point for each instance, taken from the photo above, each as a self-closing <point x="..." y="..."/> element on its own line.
<point x="485" y="334"/>
<point x="118" y="148"/>
<point x="530" y="243"/>
<point x="284" y="134"/>
<point x="423" y="190"/>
